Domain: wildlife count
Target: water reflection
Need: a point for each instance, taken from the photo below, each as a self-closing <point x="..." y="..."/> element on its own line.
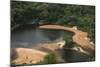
<point x="28" y="36"/>
<point x="75" y="56"/>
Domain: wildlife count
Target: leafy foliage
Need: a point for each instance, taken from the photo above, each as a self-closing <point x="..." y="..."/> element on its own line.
<point x="69" y="15"/>
<point x="49" y="59"/>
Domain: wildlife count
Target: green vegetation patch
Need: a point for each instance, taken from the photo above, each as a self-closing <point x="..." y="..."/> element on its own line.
<point x="49" y="59"/>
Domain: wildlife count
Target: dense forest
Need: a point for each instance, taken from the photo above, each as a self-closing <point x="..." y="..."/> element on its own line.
<point x="82" y="16"/>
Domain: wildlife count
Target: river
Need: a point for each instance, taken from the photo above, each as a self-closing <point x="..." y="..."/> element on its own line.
<point x="28" y="36"/>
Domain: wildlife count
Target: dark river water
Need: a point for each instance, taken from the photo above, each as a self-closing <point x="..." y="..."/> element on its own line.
<point x="28" y="36"/>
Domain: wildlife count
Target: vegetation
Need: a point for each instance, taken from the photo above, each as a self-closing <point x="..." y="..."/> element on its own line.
<point x="49" y="59"/>
<point x="49" y="13"/>
<point x="68" y="15"/>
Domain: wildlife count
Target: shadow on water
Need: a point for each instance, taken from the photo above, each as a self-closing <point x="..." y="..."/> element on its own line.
<point x="70" y="55"/>
<point x="13" y="56"/>
<point x="28" y="36"/>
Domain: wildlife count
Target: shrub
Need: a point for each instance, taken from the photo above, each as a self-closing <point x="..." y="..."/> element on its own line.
<point x="49" y="59"/>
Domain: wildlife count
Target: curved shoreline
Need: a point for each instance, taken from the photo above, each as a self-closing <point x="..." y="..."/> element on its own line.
<point x="27" y="54"/>
<point x="79" y="37"/>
